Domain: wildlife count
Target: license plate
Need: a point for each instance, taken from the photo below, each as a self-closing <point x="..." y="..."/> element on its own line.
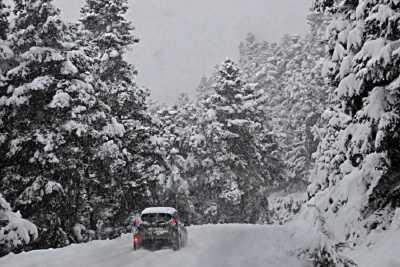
<point x="158" y="230"/>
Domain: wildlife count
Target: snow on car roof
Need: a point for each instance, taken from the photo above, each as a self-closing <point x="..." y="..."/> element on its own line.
<point x="167" y="210"/>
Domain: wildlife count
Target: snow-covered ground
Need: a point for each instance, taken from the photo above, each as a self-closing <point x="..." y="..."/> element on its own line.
<point x="228" y="245"/>
<point x="379" y="250"/>
<point x="208" y="246"/>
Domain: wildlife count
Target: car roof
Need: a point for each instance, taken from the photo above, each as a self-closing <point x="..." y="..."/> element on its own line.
<point x="167" y="210"/>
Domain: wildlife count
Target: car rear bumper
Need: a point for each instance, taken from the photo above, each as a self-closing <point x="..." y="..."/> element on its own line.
<point x="156" y="243"/>
<point x="157" y="240"/>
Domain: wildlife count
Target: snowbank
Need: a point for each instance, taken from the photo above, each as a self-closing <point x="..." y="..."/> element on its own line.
<point x="379" y="249"/>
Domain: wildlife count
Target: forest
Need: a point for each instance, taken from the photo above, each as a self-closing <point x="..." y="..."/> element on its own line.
<point x="307" y="128"/>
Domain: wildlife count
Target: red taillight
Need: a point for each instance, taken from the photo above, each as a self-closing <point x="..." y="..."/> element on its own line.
<point x="172" y="221"/>
<point x="136" y="239"/>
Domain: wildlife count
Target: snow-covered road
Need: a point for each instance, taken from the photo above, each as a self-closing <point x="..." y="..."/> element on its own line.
<point x="208" y="246"/>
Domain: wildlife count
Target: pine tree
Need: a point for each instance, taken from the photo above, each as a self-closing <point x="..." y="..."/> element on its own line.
<point x="110" y="36"/>
<point x="356" y="175"/>
<point x="234" y="126"/>
<point x="5" y="51"/>
<point x="130" y="177"/>
<point x="294" y="96"/>
<point x="22" y="104"/>
<point x="306" y="93"/>
<point x="204" y="88"/>
<point x="177" y="123"/>
<point x="4" y="24"/>
<point x="54" y="125"/>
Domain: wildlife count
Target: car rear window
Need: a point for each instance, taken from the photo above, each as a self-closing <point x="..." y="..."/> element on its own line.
<point x="156" y="217"/>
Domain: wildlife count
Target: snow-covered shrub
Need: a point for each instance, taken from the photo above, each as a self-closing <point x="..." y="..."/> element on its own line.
<point x="282" y="209"/>
<point x="15" y="232"/>
<point x="327" y="256"/>
<point x="321" y="247"/>
<point x="82" y="234"/>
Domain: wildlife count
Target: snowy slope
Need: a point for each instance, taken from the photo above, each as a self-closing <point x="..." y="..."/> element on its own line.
<point x="380" y="249"/>
<point x="208" y="246"/>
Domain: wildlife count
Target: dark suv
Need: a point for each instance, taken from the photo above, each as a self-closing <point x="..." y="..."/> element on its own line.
<point x="158" y="227"/>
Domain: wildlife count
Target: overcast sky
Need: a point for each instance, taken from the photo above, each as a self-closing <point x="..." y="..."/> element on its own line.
<point x="181" y="40"/>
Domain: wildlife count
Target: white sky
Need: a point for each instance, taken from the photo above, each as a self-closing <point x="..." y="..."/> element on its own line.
<point x="181" y="40"/>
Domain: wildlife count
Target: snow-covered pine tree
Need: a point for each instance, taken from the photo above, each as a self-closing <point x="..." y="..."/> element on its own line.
<point x="5" y="51"/>
<point x="178" y="124"/>
<point x="4" y="23"/>
<point x="290" y="125"/>
<point x="19" y="174"/>
<point x="249" y="51"/>
<point x="187" y="183"/>
<point x="204" y="88"/>
<point x="55" y="127"/>
<point x="262" y="64"/>
<point x="206" y="143"/>
<point x="306" y="93"/>
<point x="109" y="36"/>
<point x="257" y="60"/>
<point x="356" y="180"/>
<point x="233" y="126"/>
<point x="15" y="232"/>
<point x="294" y="93"/>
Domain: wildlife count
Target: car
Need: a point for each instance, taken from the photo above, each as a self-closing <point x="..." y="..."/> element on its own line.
<point x="159" y="227"/>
